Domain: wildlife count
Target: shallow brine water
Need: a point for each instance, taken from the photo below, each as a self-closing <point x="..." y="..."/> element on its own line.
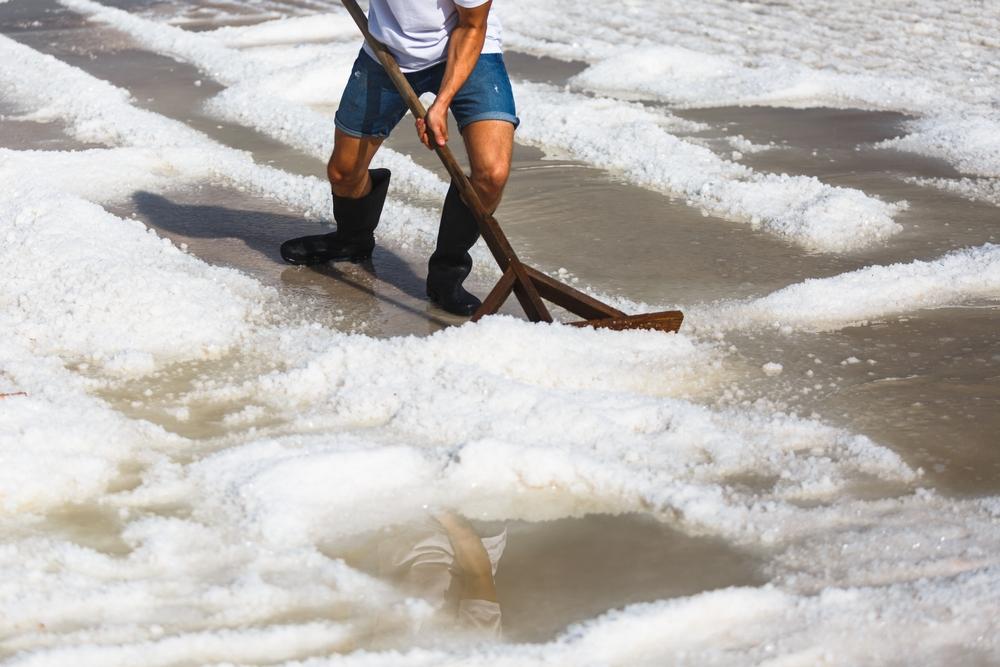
<point x="212" y="457"/>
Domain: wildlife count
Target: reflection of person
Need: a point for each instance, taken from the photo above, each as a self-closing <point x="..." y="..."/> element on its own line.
<point x="474" y="569"/>
<point x="446" y="563"/>
<point x="447" y="47"/>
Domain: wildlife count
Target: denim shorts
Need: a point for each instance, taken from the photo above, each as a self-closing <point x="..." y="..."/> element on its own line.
<point x="371" y="106"/>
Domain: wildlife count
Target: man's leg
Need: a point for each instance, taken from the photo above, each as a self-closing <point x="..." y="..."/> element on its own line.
<point x="490" y="145"/>
<point x="358" y="197"/>
<point x="348" y="165"/>
<point x="369" y="109"/>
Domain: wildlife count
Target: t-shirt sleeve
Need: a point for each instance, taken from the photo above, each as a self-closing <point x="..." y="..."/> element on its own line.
<point x="469" y="4"/>
<point x="481" y="616"/>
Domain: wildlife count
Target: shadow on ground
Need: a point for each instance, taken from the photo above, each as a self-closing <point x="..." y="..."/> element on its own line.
<point x="262" y="232"/>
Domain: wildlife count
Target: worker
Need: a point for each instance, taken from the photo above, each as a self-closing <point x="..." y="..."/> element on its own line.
<point x="448" y="47"/>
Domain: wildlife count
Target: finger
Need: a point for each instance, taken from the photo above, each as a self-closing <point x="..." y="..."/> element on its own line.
<point x="444" y="130"/>
<point x="440" y="134"/>
<point x="422" y="131"/>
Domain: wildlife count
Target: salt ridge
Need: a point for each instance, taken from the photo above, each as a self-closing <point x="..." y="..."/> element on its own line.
<point x="108" y="174"/>
<point x="982" y="189"/>
<point x="872" y="293"/>
<point x="99" y="112"/>
<point x="231" y="68"/>
<point x="925" y="62"/>
<point x="631" y="140"/>
<point x="59" y="445"/>
<point x="750" y="626"/>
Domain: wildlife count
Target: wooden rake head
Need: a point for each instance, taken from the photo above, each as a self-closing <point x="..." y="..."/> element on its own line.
<point x="529" y="285"/>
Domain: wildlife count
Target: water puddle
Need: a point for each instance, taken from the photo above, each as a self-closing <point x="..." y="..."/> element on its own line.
<point x="552" y="574"/>
<point x="20" y="133"/>
<point x="562" y="572"/>
<point x="926" y="385"/>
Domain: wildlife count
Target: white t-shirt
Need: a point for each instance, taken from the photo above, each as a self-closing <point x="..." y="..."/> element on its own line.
<point x="417" y="31"/>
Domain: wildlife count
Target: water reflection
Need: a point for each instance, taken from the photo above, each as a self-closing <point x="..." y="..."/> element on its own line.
<point x="444" y="561"/>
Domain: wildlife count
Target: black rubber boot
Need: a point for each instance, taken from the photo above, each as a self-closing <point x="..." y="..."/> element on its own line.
<point x="451" y="263"/>
<point x="354" y="239"/>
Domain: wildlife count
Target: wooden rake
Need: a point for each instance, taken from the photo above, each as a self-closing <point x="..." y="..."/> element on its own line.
<point x="528" y="284"/>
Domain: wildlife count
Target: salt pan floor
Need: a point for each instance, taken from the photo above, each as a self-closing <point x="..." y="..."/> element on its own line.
<point x="206" y="459"/>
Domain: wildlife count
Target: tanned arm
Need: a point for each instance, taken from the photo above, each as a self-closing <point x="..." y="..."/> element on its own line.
<point x="474" y="566"/>
<point x="464" y="46"/>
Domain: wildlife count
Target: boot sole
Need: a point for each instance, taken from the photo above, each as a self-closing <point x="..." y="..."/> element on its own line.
<point x="354" y="259"/>
<point x="463" y="313"/>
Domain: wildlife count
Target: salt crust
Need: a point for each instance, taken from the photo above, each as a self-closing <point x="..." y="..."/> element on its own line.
<point x="560" y="444"/>
<point x="77" y="290"/>
<point x="501" y="455"/>
<point x="925" y="62"/>
<point x="101" y="113"/>
<point x="630" y="139"/>
<point x="60" y="446"/>
<point x="938" y="65"/>
<point x="107" y="175"/>
<point x="872" y="293"/>
<point x="290" y="31"/>
<point x="971" y="142"/>
<point x="978" y="189"/>
<point x="441" y="450"/>
<point x="268" y="75"/>
<point x="248" y="556"/>
<point x="800" y="209"/>
<point x="756" y="626"/>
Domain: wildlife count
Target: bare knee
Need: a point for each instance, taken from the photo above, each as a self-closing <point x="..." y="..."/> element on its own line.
<point x="347" y="179"/>
<point x="490" y="182"/>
